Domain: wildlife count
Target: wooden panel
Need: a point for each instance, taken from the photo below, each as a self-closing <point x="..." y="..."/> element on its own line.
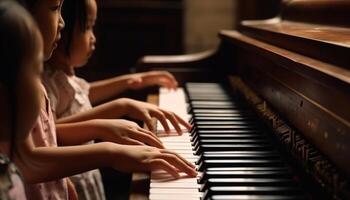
<point x="328" y="12"/>
<point x="312" y="95"/>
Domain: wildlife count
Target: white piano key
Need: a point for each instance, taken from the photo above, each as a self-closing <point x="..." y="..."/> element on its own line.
<point x="174" y="197"/>
<point x="161" y="172"/>
<point x="169" y="180"/>
<point x="173" y="191"/>
<point x="175" y="185"/>
<point x="163" y="185"/>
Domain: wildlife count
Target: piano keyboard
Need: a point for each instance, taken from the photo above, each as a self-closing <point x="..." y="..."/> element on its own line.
<point x="235" y="158"/>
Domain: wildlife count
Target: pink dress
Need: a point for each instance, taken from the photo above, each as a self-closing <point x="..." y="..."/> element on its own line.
<point x="70" y="95"/>
<point x="11" y="184"/>
<point x="44" y="135"/>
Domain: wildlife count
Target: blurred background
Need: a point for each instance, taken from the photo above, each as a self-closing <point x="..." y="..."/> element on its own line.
<point x="128" y="29"/>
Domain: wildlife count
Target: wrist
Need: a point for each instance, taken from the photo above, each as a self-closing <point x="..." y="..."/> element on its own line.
<point x="114" y="152"/>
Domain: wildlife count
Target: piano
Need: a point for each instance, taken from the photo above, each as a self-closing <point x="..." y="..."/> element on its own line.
<point x="270" y="109"/>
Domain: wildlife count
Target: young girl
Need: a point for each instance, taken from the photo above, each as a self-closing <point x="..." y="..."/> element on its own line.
<point x="71" y="96"/>
<point x="41" y="160"/>
<point x="21" y="57"/>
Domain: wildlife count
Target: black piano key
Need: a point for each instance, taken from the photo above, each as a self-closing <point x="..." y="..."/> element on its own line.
<point x="201" y="142"/>
<point x="258" y="197"/>
<point x="212" y="103"/>
<point x="226" y="127"/>
<point x="238" y="163"/>
<point x="221" y="115"/>
<point x="257" y="153"/>
<point x="244" y="174"/>
<point x="240" y="118"/>
<point x="224" y="132"/>
<point x="220" y="111"/>
<point x="251" y="190"/>
<point x="204" y="85"/>
<point x="218" y="97"/>
<point x="226" y="136"/>
<point x="215" y="123"/>
<point x="255" y="168"/>
<point x="246" y="182"/>
<point x="245" y="132"/>
<point x="238" y="155"/>
<point x="232" y="147"/>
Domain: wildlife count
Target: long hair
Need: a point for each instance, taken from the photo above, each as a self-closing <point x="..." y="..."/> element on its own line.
<point x="73" y="13"/>
<point x="17" y="39"/>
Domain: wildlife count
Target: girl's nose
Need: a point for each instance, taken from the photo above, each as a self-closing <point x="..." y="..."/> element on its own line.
<point x="61" y="23"/>
<point x="93" y="41"/>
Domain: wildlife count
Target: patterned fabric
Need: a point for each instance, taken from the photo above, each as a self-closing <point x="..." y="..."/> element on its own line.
<point x="70" y="95"/>
<point x="11" y="184"/>
<point x="44" y="135"/>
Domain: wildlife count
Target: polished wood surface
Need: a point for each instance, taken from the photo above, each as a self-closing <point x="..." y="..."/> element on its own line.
<point x="327" y="12"/>
<point x="313" y="95"/>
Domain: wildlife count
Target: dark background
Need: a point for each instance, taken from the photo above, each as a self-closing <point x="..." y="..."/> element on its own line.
<point x="129" y="29"/>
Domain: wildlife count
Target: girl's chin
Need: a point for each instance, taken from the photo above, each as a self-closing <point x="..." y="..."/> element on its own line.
<point x="81" y="64"/>
<point x="48" y="55"/>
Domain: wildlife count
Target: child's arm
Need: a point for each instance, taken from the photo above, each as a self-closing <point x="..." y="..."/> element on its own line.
<point x="106" y="89"/>
<point x="40" y="164"/>
<point x="131" y="108"/>
<point x="118" y="131"/>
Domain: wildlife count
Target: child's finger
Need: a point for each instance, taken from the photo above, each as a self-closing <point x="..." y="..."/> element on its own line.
<point x="183" y="122"/>
<point x="163" y="165"/>
<point x="171" y="117"/>
<point x="161" y="117"/>
<point x="151" y="134"/>
<point x="131" y="141"/>
<point x="167" y="83"/>
<point x="148" y="121"/>
<point x="148" y="139"/>
<point x="182" y="158"/>
<point x="179" y="164"/>
<point x="169" y="76"/>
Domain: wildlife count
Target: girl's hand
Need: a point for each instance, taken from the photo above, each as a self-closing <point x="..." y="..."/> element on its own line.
<point x="144" y="159"/>
<point x="145" y="111"/>
<point x="152" y="78"/>
<point x="126" y="132"/>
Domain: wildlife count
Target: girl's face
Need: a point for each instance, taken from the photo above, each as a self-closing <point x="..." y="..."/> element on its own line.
<point x="29" y="89"/>
<point x="47" y="14"/>
<point x="83" y="42"/>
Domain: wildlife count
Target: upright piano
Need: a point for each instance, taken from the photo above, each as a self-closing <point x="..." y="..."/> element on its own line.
<point x="270" y="109"/>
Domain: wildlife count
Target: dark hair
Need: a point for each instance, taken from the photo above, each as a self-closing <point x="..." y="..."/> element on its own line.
<point x="28" y="4"/>
<point x="73" y="13"/>
<point x="17" y="39"/>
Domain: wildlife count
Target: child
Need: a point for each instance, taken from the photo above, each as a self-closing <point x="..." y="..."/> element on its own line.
<point x="72" y="97"/>
<point x="21" y="57"/>
<point x="41" y="160"/>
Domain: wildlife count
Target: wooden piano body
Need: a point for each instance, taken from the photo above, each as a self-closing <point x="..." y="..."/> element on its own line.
<point x="295" y="71"/>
